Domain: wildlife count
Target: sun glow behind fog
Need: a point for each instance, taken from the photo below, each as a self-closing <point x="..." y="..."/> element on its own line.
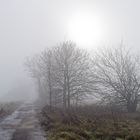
<point x="85" y="29"/>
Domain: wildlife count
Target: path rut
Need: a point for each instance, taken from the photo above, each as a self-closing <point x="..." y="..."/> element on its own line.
<point x="22" y="125"/>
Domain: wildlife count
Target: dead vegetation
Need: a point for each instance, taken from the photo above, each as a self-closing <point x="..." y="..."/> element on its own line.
<point x="8" y="108"/>
<point x="90" y="123"/>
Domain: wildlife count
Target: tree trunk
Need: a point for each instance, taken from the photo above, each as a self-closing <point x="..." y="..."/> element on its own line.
<point x="68" y="95"/>
<point x="39" y="88"/>
<point x="64" y="93"/>
<point x="50" y="97"/>
<point x="50" y="89"/>
<point x="132" y="106"/>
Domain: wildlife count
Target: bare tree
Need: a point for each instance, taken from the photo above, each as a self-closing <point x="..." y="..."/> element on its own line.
<point x="64" y="71"/>
<point x="117" y="77"/>
<point x="46" y="63"/>
<point x="33" y="67"/>
<point x="72" y="65"/>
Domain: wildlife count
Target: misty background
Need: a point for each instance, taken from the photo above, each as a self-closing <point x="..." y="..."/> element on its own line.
<point x="29" y="26"/>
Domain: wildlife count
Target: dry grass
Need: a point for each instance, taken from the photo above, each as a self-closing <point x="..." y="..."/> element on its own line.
<point x="7" y="108"/>
<point x="90" y="123"/>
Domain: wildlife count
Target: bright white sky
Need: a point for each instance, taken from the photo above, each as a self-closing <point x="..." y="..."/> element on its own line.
<point x="29" y="26"/>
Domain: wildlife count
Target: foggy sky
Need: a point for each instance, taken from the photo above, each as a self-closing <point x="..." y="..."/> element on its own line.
<point x="29" y="26"/>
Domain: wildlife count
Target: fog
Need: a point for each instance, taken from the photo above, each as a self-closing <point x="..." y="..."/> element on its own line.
<point x="29" y="26"/>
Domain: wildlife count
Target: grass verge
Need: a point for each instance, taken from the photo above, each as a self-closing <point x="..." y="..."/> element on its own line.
<point x="86" y="123"/>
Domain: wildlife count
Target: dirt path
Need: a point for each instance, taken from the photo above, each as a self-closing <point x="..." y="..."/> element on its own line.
<point x="21" y="125"/>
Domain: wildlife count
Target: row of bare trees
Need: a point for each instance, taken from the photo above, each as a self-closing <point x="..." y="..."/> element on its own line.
<point x="67" y="74"/>
<point x="64" y="71"/>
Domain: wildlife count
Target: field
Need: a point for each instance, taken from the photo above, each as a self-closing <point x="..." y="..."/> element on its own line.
<point x="90" y="123"/>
